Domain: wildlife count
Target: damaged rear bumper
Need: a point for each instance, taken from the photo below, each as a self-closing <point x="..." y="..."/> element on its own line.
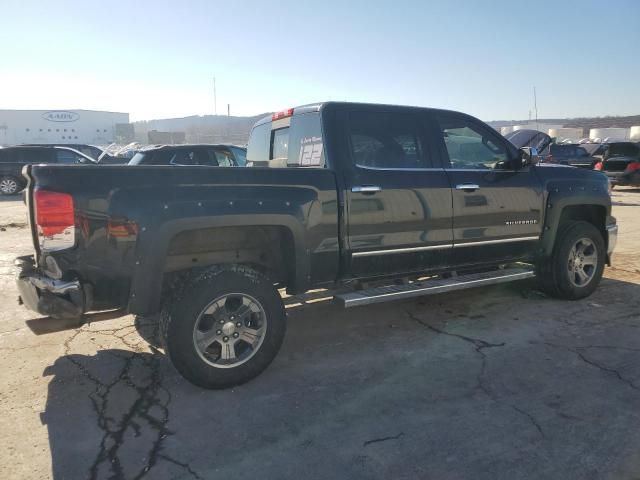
<point x="49" y="296"/>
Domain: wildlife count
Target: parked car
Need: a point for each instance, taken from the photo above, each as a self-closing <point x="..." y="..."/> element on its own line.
<point x="619" y="162"/>
<point x="13" y="159"/>
<point x="373" y="196"/>
<point x="573" y="155"/>
<point x="201" y="154"/>
<point x="96" y="153"/>
<point x="529" y="138"/>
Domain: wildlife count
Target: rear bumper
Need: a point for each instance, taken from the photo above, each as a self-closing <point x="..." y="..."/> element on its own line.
<point x="48" y="296"/>
<point x="614" y="177"/>
<point x="612" y="239"/>
<point x="629" y="179"/>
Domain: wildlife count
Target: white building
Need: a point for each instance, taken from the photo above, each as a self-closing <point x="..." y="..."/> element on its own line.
<point x="566" y="133"/>
<point x="613" y="134"/>
<point x="59" y="126"/>
<point x="532" y="125"/>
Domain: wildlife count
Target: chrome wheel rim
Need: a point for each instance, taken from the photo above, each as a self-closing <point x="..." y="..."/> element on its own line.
<point x="583" y="261"/>
<point x="230" y="330"/>
<point x="8" y="186"/>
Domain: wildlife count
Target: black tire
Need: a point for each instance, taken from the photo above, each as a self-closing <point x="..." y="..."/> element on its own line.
<point x="553" y="273"/>
<point x="179" y="318"/>
<point x="10" y="185"/>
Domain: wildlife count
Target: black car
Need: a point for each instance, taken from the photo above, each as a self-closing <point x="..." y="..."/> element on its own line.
<point x="574" y="155"/>
<point x="12" y="159"/>
<point x="89" y="150"/>
<point x="203" y="154"/>
<point x="620" y="163"/>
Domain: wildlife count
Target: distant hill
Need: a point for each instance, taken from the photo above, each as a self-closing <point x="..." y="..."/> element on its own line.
<point x="585" y="122"/>
<point x="228" y="129"/>
<point x="201" y="128"/>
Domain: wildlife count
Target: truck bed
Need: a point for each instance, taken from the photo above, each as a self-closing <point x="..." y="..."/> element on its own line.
<point x="131" y="223"/>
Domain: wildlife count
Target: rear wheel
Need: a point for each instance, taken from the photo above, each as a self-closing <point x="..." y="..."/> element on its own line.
<point x="576" y="264"/>
<point x="10" y="185"/>
<point x="226" y="327"/>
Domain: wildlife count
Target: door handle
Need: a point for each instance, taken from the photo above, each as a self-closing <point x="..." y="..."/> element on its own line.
<point x="468" y="187"/>
<point x="366" y="189"/>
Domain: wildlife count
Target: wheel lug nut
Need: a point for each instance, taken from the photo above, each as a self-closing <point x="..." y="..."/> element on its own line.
<point x="236" y="334"/>
<point x="225" y="339"/>
<point x="233" y="317"/>
<point x="219" y="332"/>
<point x="238" y="324"/>
<point x="221" y="322"/>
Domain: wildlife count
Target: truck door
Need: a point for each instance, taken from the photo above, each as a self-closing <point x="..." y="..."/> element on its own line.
<point x="398" y="201"/>
<point x="497" y="204"/>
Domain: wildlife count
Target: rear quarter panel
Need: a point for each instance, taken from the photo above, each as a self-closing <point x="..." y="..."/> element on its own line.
<point x="163" y="201"/>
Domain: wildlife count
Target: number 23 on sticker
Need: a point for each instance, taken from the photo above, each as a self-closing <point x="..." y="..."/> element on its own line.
<point x="310" y="154"/>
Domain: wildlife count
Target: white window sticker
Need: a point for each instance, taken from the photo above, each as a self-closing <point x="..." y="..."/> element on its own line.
<point x="310" y="152"/>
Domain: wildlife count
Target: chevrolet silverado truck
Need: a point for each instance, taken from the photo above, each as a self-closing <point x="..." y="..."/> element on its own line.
<point x="376" y="202"/>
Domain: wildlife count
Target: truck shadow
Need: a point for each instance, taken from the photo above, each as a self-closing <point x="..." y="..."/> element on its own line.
<point x="124" y="412"/>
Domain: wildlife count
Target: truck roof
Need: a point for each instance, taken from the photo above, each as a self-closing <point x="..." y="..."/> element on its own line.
<point x="316" y="107"/>
<point x="186" y="145"/>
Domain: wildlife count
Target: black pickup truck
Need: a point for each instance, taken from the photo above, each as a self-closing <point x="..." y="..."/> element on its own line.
<point x="385" y="202"/>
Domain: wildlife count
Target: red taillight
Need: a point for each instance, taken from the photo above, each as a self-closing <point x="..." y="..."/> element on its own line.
<point x="282" y="114"/>
<point x="122" y="229"/>
<point x="632" y="167"/>
<point x="55" y="219"/>
<point x="598" y="166"/>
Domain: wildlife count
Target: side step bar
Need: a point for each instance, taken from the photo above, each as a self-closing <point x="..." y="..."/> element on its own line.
<point x="431" y="286"/>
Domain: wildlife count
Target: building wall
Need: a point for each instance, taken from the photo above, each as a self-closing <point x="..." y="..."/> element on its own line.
<point x="59" y="126"/>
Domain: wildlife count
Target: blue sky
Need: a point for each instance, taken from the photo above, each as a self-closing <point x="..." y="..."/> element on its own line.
<point x="157" y="59"/>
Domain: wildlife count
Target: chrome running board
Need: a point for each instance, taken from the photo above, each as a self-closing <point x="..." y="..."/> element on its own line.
<point x="431" y="286"/>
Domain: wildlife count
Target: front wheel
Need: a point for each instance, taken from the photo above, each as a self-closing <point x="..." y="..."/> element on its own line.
<point x="225" y="328"/>
<point x="576" y="264"/>
<point x="9" y="185"/>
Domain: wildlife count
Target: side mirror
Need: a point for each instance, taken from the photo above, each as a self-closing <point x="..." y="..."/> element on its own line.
<point x="530" y="156"/>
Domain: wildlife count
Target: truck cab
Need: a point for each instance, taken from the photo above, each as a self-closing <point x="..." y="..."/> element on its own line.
<point x="422" y="189"/>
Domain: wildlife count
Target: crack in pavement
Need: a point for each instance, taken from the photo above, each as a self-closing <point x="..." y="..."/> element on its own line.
<point x="576" y="351"/>
<point x="479" y="347"/>
<point x="186" y="466"/>
<point x="148" y="398"/>
<point x="531" y="418"/>
<point x="383" y="439"/>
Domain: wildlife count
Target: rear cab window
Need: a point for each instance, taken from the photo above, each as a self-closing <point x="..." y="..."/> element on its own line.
<point x="291" y="141"/>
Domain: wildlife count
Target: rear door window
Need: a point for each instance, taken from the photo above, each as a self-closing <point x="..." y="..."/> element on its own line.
<point x="186" y="156"/>
<point x="387" y="140"/>
<point x="220" y="158"/>
<point x="68" y="157"/>
<point x="240" y="156"/>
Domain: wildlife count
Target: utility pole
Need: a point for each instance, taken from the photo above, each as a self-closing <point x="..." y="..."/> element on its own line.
<point x="535" y="105"/>
<point x="228" y="109"/>
<point x="215" y="100"/>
